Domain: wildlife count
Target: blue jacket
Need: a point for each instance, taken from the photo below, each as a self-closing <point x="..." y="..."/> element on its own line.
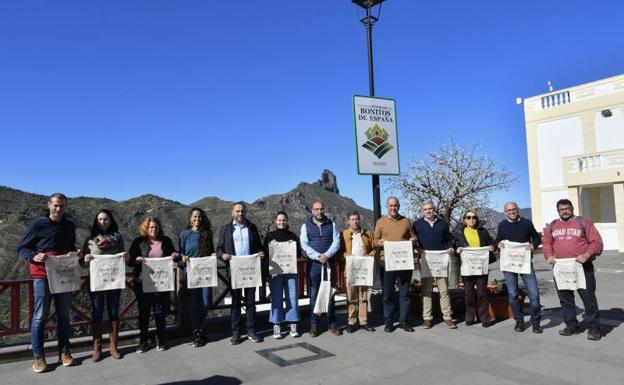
<point x="520" y="231"/>
<point x="437" y="237"/>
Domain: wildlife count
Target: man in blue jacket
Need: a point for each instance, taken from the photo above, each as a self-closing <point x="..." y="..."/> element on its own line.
<point x="517" y="229"/>
<point x="321" y="241"/>
<point x="237" y="238"/>
<point x="433" y="234"/>
<point x="46" y="237"/>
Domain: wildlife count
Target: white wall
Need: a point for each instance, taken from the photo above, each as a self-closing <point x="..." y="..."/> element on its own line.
<point x="556" y="139"/>
<point x="549" y="206"/>
<point x="609" y="235"/>
<point x="609" y="131"/>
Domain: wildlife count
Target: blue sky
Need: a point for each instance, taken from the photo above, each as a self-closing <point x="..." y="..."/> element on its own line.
<point x="241" y="99"/>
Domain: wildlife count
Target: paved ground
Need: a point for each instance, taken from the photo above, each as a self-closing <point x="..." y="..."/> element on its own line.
<point x="468" y="355"/>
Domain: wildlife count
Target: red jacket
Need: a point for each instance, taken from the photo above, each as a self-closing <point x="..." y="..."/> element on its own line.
<point x="567" y="239"/>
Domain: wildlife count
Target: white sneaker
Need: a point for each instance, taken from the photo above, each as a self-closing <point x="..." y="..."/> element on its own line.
<point x="277" y="332"/>
<point x="293" y="331"/>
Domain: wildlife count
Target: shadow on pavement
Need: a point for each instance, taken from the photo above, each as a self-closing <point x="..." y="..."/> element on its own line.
<point x="212" y="380"/>
<point x="615" y="317"/>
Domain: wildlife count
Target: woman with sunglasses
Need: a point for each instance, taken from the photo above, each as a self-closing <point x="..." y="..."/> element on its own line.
<point x="471" y="233"/>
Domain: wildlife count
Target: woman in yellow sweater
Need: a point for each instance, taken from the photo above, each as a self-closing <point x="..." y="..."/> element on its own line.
<point x="471" y="233"/>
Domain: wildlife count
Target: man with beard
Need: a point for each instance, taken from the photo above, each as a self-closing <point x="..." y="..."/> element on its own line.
<point x="571" y="236"/>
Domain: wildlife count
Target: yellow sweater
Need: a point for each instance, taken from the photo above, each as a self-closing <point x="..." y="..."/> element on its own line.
<point x="472" y="237"/>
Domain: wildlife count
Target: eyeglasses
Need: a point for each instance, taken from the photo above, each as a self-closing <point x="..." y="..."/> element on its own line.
<point x="471" y="217"/>
<point x="511" y="210"/>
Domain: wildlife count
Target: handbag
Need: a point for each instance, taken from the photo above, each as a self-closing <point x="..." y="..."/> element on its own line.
<point x="325" y="292"/>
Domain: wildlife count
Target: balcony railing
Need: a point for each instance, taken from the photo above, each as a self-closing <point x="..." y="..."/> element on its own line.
<point x="554" y="100"/>
<point x="594" y="162"/>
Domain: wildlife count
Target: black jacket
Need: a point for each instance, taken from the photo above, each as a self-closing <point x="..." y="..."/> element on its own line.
<point x="140" y="248"/>
<point x="485" y="239"/>
<point x="226" y="241"/>
<point x="279" y="236"/>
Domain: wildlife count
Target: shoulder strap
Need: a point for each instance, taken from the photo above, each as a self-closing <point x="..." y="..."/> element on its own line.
<point x="581" y="222"/>
<point x="551" y="225"/>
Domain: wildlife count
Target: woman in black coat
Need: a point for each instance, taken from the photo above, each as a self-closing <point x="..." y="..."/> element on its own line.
<point x="471" y="233"/>
<point x="151" y="243"/>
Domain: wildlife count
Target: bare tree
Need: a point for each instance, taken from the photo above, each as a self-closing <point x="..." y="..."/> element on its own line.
<point x="454" y="179"/>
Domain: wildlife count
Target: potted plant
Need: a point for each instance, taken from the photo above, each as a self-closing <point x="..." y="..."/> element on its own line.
<point x="498" y="302"/>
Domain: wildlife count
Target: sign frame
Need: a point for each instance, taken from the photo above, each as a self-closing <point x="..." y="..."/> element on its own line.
<point x="394" y="131"/>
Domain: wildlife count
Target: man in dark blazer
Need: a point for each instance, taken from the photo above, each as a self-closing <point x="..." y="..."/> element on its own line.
<point x="237" y="238"/>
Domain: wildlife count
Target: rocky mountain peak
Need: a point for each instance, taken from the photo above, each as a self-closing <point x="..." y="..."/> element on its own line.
<point x="328" y="181"/>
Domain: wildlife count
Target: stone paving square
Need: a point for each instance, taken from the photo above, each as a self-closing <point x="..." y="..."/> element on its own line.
<point x="294" y="354"/>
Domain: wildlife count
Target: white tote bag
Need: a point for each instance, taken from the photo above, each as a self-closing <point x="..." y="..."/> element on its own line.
<point x="435" y="263"/>
<point x="157" y="275"/>
<point x="283" y="257"/>
<point x="245" y="271"/>
<point x="201" y="272"/>
<point x="398" y="255"/>
<point x="359" y="271"/>
<point x="515" y="258"/>
<point x="475" y="261"/>
<point x="325" y="293"/>
<point x="63" y="273"/>
<point x="569" y="274"/>
<point x="107" y="272"/>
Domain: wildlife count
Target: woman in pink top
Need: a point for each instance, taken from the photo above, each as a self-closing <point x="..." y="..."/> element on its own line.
<point x="151" y="243"/>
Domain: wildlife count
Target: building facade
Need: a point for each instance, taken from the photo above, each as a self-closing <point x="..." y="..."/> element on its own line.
<point x="575" y="143"/>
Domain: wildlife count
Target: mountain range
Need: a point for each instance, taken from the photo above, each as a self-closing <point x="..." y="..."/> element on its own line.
<point x="18" y="209"/>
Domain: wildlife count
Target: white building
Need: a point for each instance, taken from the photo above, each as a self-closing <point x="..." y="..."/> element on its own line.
<point x="575" y="144"/>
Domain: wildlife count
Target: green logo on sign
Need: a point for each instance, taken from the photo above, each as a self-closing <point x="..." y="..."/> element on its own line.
<point x="377" y="142"/>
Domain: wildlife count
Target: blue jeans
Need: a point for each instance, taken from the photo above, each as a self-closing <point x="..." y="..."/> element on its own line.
<point x="200" y="300"/>
<point x="250" y="310"/>
<point x="112" y="305"/>
<point x="284" y="287"/>
<point x="316" y="269"/>
<point x="530" y="284"/>
<point x="389" y="278"/>
<point x="588" y="296"/>
<point x="145" y="302"/>
<point x="62" y="304"/>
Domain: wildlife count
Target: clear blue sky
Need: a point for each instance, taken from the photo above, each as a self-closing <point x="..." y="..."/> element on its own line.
<point x="242" y="99"/>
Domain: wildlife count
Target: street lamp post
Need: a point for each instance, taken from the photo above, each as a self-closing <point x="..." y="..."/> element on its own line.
<point x="370" y="7"/>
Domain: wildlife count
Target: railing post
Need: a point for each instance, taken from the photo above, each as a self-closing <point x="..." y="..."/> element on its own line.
<point x="183" y="323"/>
<point x="31" y="302"/>
<point x="15" y="307"/>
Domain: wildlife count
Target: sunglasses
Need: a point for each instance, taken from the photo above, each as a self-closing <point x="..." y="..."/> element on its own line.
<point x="471" y="217"/>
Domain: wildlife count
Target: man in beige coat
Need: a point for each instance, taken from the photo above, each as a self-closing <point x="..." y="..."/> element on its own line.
<point x="359" y="242"/>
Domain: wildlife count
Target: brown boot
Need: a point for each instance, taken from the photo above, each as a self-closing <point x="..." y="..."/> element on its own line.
<point x="96" y="330"/>
<point x="114" y="333"/>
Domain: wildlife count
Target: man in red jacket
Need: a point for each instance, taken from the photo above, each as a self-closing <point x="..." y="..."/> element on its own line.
<point x="575" y="237"/>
